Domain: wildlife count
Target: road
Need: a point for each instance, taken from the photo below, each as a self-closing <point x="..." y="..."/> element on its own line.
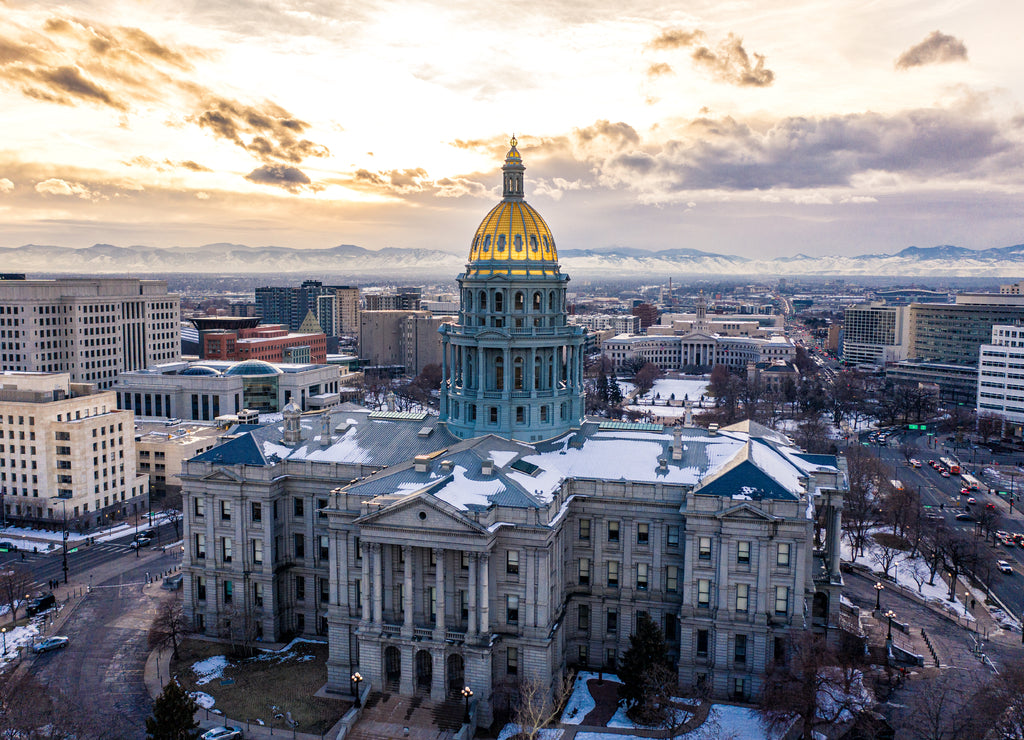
<point x="942" y="496"/>
<point x="100" y="672"/>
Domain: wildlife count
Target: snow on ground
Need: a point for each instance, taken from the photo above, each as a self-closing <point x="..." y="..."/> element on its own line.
<point x="287" y="652"/>
<point x="901" y="570"/>
<point x="15" y="638"/>
<point x="621" y="720"/>
<point x="549" y="734"/>
<point x="210" y="668"/>
<point x="726" y="721"/>
<point x="581" y="702"/>
<point x="27" y="538"/>
<point x="626" y="387"/>
<point x="692" y="388"/>
<point x="204" y="700"/>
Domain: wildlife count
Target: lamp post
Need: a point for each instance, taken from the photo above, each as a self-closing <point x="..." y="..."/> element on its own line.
<point x="3" y="631"/>
<point x="64" y="530"/>
<point x="467" y="693"/>
<point x="878" y="596"/>
<point x="357" y="679"/>
<point x="137" y="548"/>
<point x="889" y="615"/>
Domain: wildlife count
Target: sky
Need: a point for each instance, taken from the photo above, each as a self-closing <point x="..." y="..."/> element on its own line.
<point x="775" y="128"/>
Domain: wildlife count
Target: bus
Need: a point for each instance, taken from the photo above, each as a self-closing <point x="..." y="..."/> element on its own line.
<point x="896" y="484"/>
<point x="970" y="482"/>
<point x="951" y="465"/>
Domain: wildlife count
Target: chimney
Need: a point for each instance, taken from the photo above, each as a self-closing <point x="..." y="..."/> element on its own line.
<point x="487" y="467"/>
<point x="713" y="430"/>
<point x="688" y="418"/>
<point x="662" y="463"/>
<point x="421" y="463"/>
<point x="391" y="401"/>
<point x="325" y="430"/>
<point x="446" y="466"/>
<point x="677" y="442"/>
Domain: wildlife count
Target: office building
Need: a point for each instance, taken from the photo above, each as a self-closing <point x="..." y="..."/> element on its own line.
<point x="90" y="328"/>
<point x="267" y="342"/>
<point x="875" y="334"/>
<point x="67" y="451"/>
<point x="162" y="446"/>
<point x="1001" y="377"/>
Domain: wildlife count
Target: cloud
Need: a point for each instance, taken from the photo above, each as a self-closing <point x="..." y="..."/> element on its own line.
<point x="677" y="38"/>
<point x="937" y="48"/>
<point x="727" y="61"/>
<point x="203" y="196"/>
<point x="414" y="183"/>
<point x="66" y="85"/>
<point x="6" y="185"/>
<point x="658" y="69"/>
<point x="618" y="134"/>
<point x="291" y="179"/>
<point x="56" y="186"/>
<point x="269" y="132"/>
<point x="143" y="161"/>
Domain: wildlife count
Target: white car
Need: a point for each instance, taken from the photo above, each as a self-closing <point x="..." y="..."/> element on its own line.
<point x="1005" y="567"/>
<point x="51" y="643"/>
<point x="224" y="732"/>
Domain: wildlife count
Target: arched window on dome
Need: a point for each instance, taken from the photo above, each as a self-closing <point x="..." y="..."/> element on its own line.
<point x="520" y="301"/>
<point x="537" y="304"/>
<point x="499" y="373"/>
<point x="487" y="243"/>
<point x="517" y="374"/>
<point x="519" y="242"/>
<point x="499" y="301"/>
<point x="501" y="242"/>
<point x="533" y="243"/>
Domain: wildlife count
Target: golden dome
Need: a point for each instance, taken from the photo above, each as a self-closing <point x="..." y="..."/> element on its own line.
<point x="513" y="238"/>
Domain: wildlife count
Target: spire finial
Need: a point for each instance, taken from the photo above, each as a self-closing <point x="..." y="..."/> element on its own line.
<point x="513" y="142"/>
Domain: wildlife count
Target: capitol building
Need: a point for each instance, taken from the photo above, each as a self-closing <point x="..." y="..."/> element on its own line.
<point x="511" y="538"/>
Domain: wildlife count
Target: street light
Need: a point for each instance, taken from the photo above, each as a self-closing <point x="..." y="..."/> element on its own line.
<point x="878" y="596"/>
<point x="890" y="615"/>
<point x="466" y="694"/>
<point x="64" y="505"/>
<point x="357" y="679"/>
<point x="3" y="631"/>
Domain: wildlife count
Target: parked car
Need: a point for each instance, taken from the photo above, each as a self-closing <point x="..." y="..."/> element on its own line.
<point x="141" y="541"/>
<point x="1005" y="567"/>
<point x="42" y="603"/>
<point x="8" y="547"/>
<point x="224" y="732"/>
<point x="51" y="643"/>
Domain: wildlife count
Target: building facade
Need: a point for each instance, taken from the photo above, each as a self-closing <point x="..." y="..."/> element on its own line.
<point x="68" y="453"/>
<point x="91" y="328"/>
<point x="875" y="334"/>
<point x="436" y="554"/>
<point x="1001" y="377"/>
<point x="267" y="342"/>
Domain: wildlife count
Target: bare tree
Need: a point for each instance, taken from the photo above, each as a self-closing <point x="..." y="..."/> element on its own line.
<point x="538" y="704"/>
<point x="919" y="572"/>
<point x="1005" y="699"/>
<point x="31" y="710"/>
<point x="942" y="708"/>
<point x="888" y="547"/>
<point x="959" y="553"/>
<point x="860" y="507"/>
<point x="15" y="582"/>
<point x="169" y="626"/>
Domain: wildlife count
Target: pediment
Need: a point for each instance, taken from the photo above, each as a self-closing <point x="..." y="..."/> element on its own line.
<point x="493" y="333"/>
<point x="419" y="511"/>
<point x="745" y="511"/>
<point x="224" y="474"/>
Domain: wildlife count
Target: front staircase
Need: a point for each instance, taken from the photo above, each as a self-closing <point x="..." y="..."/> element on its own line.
<point x="387" y="716"/>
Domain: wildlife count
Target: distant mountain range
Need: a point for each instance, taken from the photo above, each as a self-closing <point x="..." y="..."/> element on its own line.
<point x="607" y="262"/>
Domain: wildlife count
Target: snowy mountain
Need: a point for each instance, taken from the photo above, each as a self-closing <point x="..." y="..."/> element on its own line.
<point x="606" y="262"/>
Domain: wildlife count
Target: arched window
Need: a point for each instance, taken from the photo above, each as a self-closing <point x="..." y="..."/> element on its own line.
<point x="483" y="300"/>
<point x="533" y="242"/>
<point x="487" y="243"/>
<point x="551" y="301"/>
<point x="469" y="300"/>
<point x="501" y="242"/>
<point x="519" y="301"/>
<point x="519" y="242"/>
<point x="499" y="373"/>
<point x="537" y="305"/>
<point x="517" y="374"/>
<point x="537" y="366"/>
<point x="499" y="301"/>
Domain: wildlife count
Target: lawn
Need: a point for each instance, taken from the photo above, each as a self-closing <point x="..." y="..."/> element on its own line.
<point x="260" y="687"/>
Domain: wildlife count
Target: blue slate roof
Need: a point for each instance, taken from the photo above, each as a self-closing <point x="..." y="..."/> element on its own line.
<point x="746" y="479"/>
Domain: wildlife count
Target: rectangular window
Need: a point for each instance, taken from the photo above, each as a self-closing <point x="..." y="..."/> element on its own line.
<point x="199" y="506"/>
<point x="512" y="562"/>
<point x="743" y="553"/>
<point x="643" y="533"/>
<point x="613" y="574"/>
<point x="257" y="511"/>
<point x="300" y="588"/>
<point x="200" y="546"/>
<point x="584" y="571"/>
<point x="742" y="597"/>
<point x="671" y="628"/>
<point x="300" y="546"/>
<point x="702" y="642"/>
<point x="739" y="688"/>
<point x="464" y="560"/>
<point x="613" y="531"/>
<point x="512" y="609"/>
<point x="782" y="559"/>
<point x="494" y="414"/>
<point x="585" y="530"/>
<point x="739" y="650"/>
<point x="257" y="594"/>
<point x="321" y="504"/>
<point x="584" y="655"/>
<point x="257" y="552"/>
<point x="325" y="547"/>
<point x="612" y="626"/>
<point x="641" y="576"/>
<point x="299" y="506"/>
<point x="672" y="579"/>
<point x="225" y="511"/>
<point x="704" y="548"/>
<point x="228" y="591"/>
<point x="781" y="600"/>
<point x="583" y="618"/>
<point x="703" y="593"/>
<point x="512" y="661"/>
<point x="200" y="588"/>
<point x="225" y="548"/>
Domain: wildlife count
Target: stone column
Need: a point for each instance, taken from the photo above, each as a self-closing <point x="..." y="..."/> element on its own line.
<point x="378" y="583"/>
<point x="364" y="595"/>
<point x="439" y="605"/>
<point x="445" y="384"/>
<point x="481" y="376"/>
<point x="835" y="533"/>
<point x="485" y="597"/>
<point x="407" y="627"/>
<point x="471" y="594"/>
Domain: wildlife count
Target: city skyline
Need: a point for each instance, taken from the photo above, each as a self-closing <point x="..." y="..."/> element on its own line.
<point x="749" y="128"/>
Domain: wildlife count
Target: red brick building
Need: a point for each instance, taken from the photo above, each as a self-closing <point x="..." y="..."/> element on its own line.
<point x="267" y="342"/>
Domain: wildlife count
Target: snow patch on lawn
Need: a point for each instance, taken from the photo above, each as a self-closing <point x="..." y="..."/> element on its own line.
<point x="727" y="721"/>
<point x="511" y="729"/>
<point x="204" y="700"/>
<point x="210" y="668"/>
<point x="581" y="703"/>
<point x="621" y="720"/>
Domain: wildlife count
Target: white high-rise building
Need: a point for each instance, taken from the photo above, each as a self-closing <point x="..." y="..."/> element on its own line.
<point x="1001" y="376"/>
<point x="90" y="328"/>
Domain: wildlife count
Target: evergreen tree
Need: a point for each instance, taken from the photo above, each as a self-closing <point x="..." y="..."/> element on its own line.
<point x="646" y="655"/>
<point x="614" y="392"/>
<point x="173" y="716"/>
<point x="602" y="386"/>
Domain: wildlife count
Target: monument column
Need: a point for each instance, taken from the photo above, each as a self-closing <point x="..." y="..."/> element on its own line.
<point x="485" y="599"/>
<point x="407" y="627"/>
<point x="439" y="600"/>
